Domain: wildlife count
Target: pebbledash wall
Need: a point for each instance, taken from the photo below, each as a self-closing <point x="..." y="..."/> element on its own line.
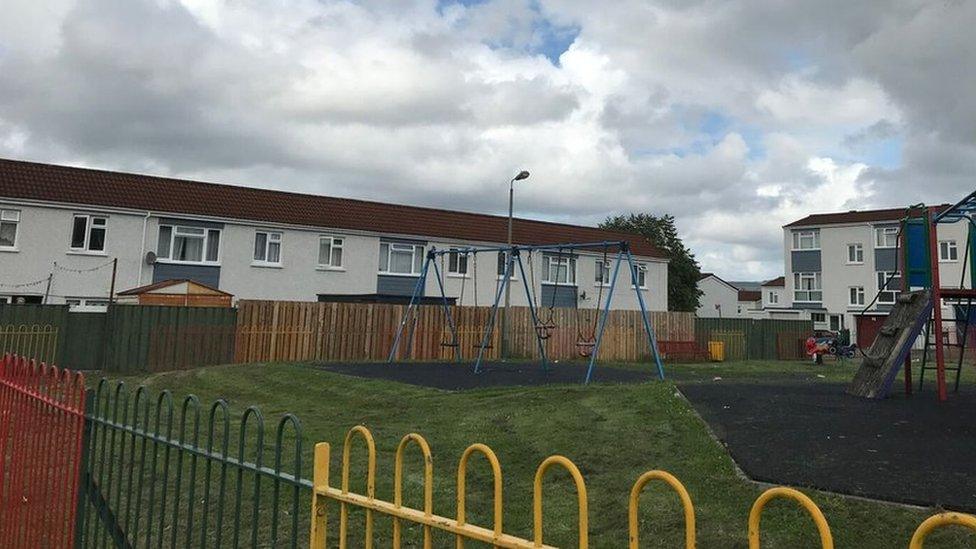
<point x="44" y="232"/>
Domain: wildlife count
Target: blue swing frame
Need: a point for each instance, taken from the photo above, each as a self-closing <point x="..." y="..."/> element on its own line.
<point x="513" y="257"/>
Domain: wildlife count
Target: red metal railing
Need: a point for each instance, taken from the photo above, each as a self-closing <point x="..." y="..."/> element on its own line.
<point x="42" y="417"/>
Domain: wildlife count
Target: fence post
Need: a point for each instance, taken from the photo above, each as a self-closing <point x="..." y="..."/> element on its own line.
<point x="81" y="503"/>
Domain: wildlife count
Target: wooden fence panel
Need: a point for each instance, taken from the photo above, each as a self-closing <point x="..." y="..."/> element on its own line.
<point x="761" y="336"/>
<point x="280" y="330"/>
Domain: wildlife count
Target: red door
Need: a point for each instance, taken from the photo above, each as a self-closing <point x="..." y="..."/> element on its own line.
<point x="867" y="329"/>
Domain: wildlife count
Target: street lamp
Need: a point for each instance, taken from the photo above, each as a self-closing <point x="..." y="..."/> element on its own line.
<point x="508" y="260"/>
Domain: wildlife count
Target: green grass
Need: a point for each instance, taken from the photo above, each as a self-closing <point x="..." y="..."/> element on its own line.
<point x="612" y="432"/>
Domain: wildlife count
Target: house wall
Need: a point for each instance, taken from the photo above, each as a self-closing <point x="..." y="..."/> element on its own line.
<point x="44" y="234"/>
<point x="43" y="239"/>
<point x="715" y="292"/>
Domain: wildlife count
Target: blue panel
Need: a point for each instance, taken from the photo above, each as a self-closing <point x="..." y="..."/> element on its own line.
<point x="917" y="256"/>
<point x="204" y="274"/>
<point x="557" y="296"/>
<point x="806" y="261"/>
<point x="396" y="285"/>
<point x="885" y="259"/>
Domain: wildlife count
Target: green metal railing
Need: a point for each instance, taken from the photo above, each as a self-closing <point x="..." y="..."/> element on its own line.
<point x="152" y="479"/>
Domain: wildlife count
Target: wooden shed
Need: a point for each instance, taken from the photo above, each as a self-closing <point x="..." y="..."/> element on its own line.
<point x="176" y="292"/>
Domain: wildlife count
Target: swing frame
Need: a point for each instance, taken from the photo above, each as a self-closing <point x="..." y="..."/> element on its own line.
<point x="513" y="260"/>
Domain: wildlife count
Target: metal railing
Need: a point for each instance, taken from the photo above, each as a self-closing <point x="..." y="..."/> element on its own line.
<point x="156" y="477"/>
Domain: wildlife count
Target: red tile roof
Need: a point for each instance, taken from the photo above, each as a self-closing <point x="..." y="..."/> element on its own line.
<point x="776" y="282"/>
<point x="52" y="183"/>
<point x="854" y="216"/>
<point x="750" y="295"/>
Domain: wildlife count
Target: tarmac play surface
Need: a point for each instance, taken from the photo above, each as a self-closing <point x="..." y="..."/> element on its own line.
<point x="910" y="450"/>
<point x="460" y="377"/>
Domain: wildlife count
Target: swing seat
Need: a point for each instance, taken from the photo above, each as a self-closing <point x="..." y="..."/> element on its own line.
<point x="585" y="347"/>
<point x="544" y="331"/>
<point x="449" y="344"/>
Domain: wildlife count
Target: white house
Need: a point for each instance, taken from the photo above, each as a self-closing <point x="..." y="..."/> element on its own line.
<point x="719" y="299"/>
<point x="61" y="227"/>
<point x="837" y="264"/>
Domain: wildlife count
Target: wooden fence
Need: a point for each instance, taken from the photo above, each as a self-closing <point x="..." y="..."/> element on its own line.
<point x="277" y="330"/>
<point x="39" y="341"/>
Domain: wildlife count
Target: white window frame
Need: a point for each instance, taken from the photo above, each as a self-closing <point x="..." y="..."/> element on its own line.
<point x="856" y="296"/>
<point x="85" y="247"/>
<point x="208" y="232"/>
<point x="882" y="235"/>
<point x="800" y="235"/>
<point x="822" y="320"/>
<point x="798" y="289"/>
<point x="402" y="247"/>
<point x="773" y="298"/>
<point x="500" y="269"/>
<point x="602" y="273"/>
<point x="333" y="265"/>
<point x="87" y="304"/>
<point x="549" y="260"/>
<point x="11" y="217"/>
<point x="857" y="250"/>
<point x="951" y="249"/>
<point x="889" y="296"/>
<point x="270" y="238"/>
<point x="640" y="271"/>
<point x="458" y="263"/>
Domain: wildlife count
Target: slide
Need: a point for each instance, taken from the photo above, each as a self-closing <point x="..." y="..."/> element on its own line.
<point x="887" y="354"/>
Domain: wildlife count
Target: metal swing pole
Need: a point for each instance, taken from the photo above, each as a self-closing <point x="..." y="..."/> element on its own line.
<point x="413" y="301"/>
<point x="603" y="319"/>
<point x="491" y="319"/>
<point x="535" y="319"/>
<point x="447" y="311"/>
<point x="651" y="338"/>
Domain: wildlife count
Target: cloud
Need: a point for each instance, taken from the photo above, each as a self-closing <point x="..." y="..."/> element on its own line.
<point x="737" y="117"/>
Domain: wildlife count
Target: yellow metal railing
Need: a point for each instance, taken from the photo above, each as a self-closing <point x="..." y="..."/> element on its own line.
<point x="323" y="492"/>
<point x="37" y="341"/>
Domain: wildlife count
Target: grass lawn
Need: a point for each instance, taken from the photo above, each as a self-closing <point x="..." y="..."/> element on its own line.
<point x="612" y="432"/>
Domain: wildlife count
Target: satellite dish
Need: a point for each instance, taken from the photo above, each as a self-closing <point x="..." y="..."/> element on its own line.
<point x="150" y="258"/>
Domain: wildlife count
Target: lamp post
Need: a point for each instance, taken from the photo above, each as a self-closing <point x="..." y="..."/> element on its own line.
<point x="508" y="260"/>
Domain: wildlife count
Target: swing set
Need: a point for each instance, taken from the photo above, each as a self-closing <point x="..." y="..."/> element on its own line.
<point x="560" y="257"/>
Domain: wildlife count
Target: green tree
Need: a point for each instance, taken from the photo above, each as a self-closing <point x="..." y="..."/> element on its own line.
<point x="683" y="269"/>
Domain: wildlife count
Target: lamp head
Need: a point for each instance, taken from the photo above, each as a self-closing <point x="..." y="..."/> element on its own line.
<point x="521" y="175"/>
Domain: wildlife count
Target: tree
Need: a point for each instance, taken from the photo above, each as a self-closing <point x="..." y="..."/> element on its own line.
<point x="683" y="270"/>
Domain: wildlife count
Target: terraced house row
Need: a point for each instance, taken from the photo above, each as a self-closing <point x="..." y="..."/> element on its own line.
<point x="60" y="228"/>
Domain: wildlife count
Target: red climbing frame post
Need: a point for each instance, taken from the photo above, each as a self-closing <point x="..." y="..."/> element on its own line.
<point x="940" y="378"/>
<point x="42" y="420"/>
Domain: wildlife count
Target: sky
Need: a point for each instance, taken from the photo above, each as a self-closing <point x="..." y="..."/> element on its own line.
<point x="735" y="116"/>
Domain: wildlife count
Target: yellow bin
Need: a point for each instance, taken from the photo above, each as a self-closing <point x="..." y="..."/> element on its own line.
<point x="716" y="350"/>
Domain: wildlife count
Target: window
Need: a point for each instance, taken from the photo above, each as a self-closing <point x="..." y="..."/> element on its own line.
<point x="559" y="269"/>
<point x="948" y="251"/>
<point x="188" y="244"/>
<point x="401" y="258"/>
<point x="855" y="253"/>
<point x="267" y="248"/>
<point x="602" y="273"/>
<point x="891" y="290"/>
<point x="818" y="318"/>
<point x="9" y="221"/>
<point x="806" y="240"/>
<point x="773" y="297"/>
<point x="856" y="295"/>
<point x="457" y="262"/>
<point x="806" y="287"/>
<point x="330" y="251"/>
<point x="640" y="274"/>
<point x="886" y="237"/>
<point x="501" y="266"/>
<point x="836" y="323"/>
<point x="84" y="304"/>
<point x="88" y="233"/>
